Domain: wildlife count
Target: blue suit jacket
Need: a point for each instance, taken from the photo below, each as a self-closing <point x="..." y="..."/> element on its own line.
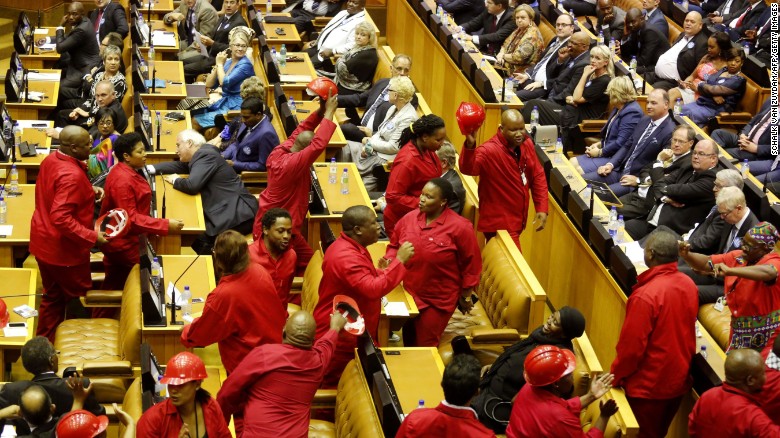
<point x="658" y="21"/>
<point x="621" y="129"/>
<point x="764" y="142"/>
<point x="252" y="151"/>
<point x="658" y="140"/>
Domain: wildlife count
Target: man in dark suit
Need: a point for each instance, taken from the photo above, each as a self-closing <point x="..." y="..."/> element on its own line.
<point x="654" y="17"/>
<point x="305" y="11"/>
<point x="108" y="17"/>
<point x="227" y="205"/>
<point x="533" y="84"/>
<point x="610" y="20"/>
<point x="216" y="42"/>
<point x="754" y="142"/>
<point x="463" y="11"/>
<point x="490" y="28"/>
<point x="681" y="59"/>
<point x="745" y="19"/>
<point x="40" y="359"/>
<point x="192" y="16"/>
<point x="84" y="115"/>
<point x="725" y="12"/>
<point x="761" y="38"/>
<point x="646" y="143"/>
<point x="374" y="100"/>
<point x="644" y="42"/>
<point x="256" y="138"/>
<point x="683" y="197"/>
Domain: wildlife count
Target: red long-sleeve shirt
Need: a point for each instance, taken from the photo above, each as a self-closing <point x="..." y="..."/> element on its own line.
<point x="163" y="421"/>
<point x="61" y="231"/>
<point x="446" y="257"/>
<point x="289" y="179"/>
<point x="750" y="297"/>
<point x="242" y="313"/>
<point x="274" y="385"/>
<point x="726" y="411"/>
<point x="504" y="181"/>
<point x="770" y="395"/>
<point x="126" y="189"/>
<point x="410" y="172"/>
<point x="539" y="413"/>
<point x="443" y="421"/>
<point x="282" y="271"/>
<point x="658" y="340"/>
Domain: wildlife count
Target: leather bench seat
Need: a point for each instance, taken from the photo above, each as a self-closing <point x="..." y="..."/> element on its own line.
<point x="717" y="324"/>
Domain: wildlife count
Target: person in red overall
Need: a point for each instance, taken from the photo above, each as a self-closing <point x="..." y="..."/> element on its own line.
<point x="770" y="395"/>
<point x="61" y="232"/>
<point x="415" y="165"/>
<point x="129" y="190"/>
<point x="507" y="168"/>
<point x="289" y="177"/>
<point x="189" y="410"/>
<point x="733" y="409"/>
<point x="447" y="267"/>
<point x="244" y="310"/>
<point x="274" y="253"/>
<point x="347" y="269"/>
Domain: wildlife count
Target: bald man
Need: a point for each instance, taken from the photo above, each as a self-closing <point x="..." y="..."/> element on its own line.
<point x="61" y="230"/>
<point x="733" y="409"/>
<point x="276" y="383"/>
<point x="508" y="168"/>
<point x="677" y="63"/>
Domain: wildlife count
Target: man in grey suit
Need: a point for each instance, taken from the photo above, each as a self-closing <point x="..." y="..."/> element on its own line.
<point x="611" y="20"/>
<point x="227" y="205"/>
<point x="192" y="16"/>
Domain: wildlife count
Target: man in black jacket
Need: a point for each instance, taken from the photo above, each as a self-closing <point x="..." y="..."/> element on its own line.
<point x="490" y="28"/>
<point x="644" y="42"/>
<point x="681" y="59"/>
<point x="40" y="359"/>
<point x="217" y="42"/>
<point x="754" y="142"/>
<point x="304" y="11"/>
<point x="108" y="17"/>
<point x="533" y="84"/>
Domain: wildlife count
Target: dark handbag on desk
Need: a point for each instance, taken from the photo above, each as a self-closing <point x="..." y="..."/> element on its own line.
<point x="27" y="150"/>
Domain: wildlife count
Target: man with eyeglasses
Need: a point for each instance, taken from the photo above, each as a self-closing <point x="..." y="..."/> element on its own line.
<point x="489" y="29"/>
<point x="192" y="16"/>
<point x="217" y="41"/>
<point x="533" y="83"/>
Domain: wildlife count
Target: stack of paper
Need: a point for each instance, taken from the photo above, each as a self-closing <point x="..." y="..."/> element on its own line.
<point x="162" y="38"/>
<point x="33" y="76"/>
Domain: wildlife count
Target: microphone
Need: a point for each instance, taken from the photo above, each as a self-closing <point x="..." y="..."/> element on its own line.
<point x="154" y="79"/>
<point x="173" y="305"/>
<point x="21" y="295"/>
<point x="32" y="38"/>
<point x="39" y="18"/>
<point x="26" y="84"/>
<point x="163" y="200"/>
<point x="149" y="15"/>
<point x="159" y="127"/>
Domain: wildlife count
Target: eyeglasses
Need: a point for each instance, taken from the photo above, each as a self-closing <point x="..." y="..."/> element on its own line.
<point x="726" y="213"/>
<point x="392" y="91"/>
<point x="239" y="46"/>
<point x="105" y="122"/>
<point x="702" y="154"/>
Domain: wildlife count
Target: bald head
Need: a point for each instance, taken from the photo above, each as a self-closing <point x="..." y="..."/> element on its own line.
<point x="692" y="24"/>
<point x="634" y="20"/>
<point x="76" y="7"/>
<point x="303" y="141"/>
<point x="745" y="370"/>
<point x="74" y="141"/>
<point x="511" y="116"/>
<point x="299" y="330"/>
<point x="35" y="405"/>
<point x="579" y="43"/>
<point x="74" y="13"/>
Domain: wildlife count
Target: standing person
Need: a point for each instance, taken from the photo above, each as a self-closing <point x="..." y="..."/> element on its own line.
<point x="243" y="312"/>
<point x="61" y="233"/>
<point x="415" y="165"/>
<point x="274" y="253"/>
<point x="508" y="168"/>
<point x="447" y="251"/>
<point x="449" y="160"/>
<point x="275" y="384"/>
<point x="657" y="341"/>
<point x="289" y="177"/>
<point x="347" y="269"/>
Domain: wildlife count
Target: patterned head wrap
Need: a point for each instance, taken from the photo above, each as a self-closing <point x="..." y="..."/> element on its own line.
<point x="765" y="233"/>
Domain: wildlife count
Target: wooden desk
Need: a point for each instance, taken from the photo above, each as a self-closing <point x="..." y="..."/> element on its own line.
<point x="337" y="203"/>
<point x="41" y="59"/>
<point x="165" y="341"/>
<point x="291" y="38"/>
<point x="416" y="373"/>
<point x="298" y="89"/>
<point x="159" y="9"/>
<point x="337" y="141"/>
<point x="163" y="53"/>
<point x="37" y="110"/>
<point x="28" y="166"/>
<point x="20" y="211"/>
<point x="179" y="205"/>
<point x="170" y="129"/>
<point x="167" y="98"/>
<point x="276" y="8"/>
<point x="17" y="282"/>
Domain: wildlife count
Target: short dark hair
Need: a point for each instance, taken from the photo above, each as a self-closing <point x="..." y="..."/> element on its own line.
<point x="447" y="192"/>
<point x="38" y="414"/>
<point x="253" y="104"/>
<point x="735" y="53"/>
<point x="115" y="39"/>
<point x="106" y="112"/>
<point x="125" y="143"/>
<point x="663" y="243"/>
<point x="425" y="125"/>
<point x="461" y="379"/>
<point x="36" y="355"/>
<point x="504" y="3"/>
<point x="231" y="252"/>
<point x="270" y="216"/>
<point x="355" y="216"/>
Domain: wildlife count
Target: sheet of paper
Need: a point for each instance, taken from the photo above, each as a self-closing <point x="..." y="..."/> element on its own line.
<point x="6" y="230"/>
<point x="32" y="76"/>
<point x="24" y="124"/>
<point x="634" y="252"/>
<point x="42" y="151"/>
<point x="12" y="332"/>
<point x="202" y="46"/>
<point x="41" y="31"/>
<point x="170" y="290"/>
<point x="295" y="78"/>
<point x="25" y="311"/>
<point x="163" y="39"/>
<point x="396" y="308"/>
<point x="49" y="46"/>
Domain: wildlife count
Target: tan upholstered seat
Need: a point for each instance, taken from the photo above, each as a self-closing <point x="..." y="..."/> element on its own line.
<point x="717" y="324"/>
<point x="310" y="291"/>
<point x="132" y="403"/>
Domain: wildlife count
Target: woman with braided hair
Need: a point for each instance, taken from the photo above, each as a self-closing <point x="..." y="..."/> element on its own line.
<point x="415" y="165"/>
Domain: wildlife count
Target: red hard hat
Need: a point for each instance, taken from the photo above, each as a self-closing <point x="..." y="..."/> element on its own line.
<point x="3" y="314"/>
<point x="81" y="424"/>
<point x="115" y="223"/>
<point x="349" y="308"/>
<point x="320" y="87"/>
<point x="546" y="364"/>
<point x="182" y="368"/>
<point x="470" y="117"/>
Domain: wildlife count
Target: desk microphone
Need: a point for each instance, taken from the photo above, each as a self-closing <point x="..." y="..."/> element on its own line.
<point x="26" y="86"/>
<point x="163" y="203"/>
<point x="32" y="38"/>
<point x="39" y="18"/>
<point x="173" y="305"/>
<point x="159" y="128"/>
<point x="149" y="18"/>
<point x="154" y="80"/>
<point x="21" y="295"/>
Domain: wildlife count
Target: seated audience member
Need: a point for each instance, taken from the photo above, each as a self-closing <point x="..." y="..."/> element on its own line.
<point x="750" y="17"/>
<point x="101" y="157"/>
<point x="217" y="41"/>
<point x="36" y="409"/>
<point x="640" y="201"/>
<point x="734" y="409"/>
<point x="642" y="41"/>
<point x="534" y="83"/>
<point x="543" y="405"/>
<point x="112" y="61"/>
<point x="192" y="16"/>
<point x="490" y="29"/>
<point x="227" y="74"/>
<point x="726" y="11"/>
<point x="109" y="17"/>
<point x="189" y="409"/>
<point x="715" y="59"/>
<point x="721" y="92"/>
<point x="753" y="143"/>
<point x="523" y="47"/>
<point x="251" y="87"/>
<point x="274" y="253"/>
<point x="463" y="11"/>
<point x="377" y="148"/>
<point x="683" y="197"/>
<point x="580" y="7"/>
<point x="337" y="37"/>
<point x="617" y="132"/>
<point x="84" y="116"/>
<point x="71" y="97"/>
<point x="610" y="20"/>
<point x="306" y="11"/>
<point x="274" y="385"/>
<point x="654" y="17"/>
<point x="227" y="205"/>
<point x="681" y="59"/>
<point x="254" y="140"/>
<point x="652" y="134"/>
<point x="355" y="70"/>
<point x="501" y="383"/>
<point x="770" y="400"/>
<point x="760" y="38"/>
<point x="452" y="417"/>
<point x="449" y="158"/>
<point x="243" y="312"/>
<point x="40" y="359"/>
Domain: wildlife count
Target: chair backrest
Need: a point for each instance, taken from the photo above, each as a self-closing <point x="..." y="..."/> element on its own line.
<point x="132" y="403"/>
<point x="289" y="120"/>
<point x="355" y="414"/>
<point x="547" y="30"/>
<point x="310" y="291"/>
<point x="384" y="69"/>
<point x="279" y="96"/>
<point x="130" y="319"/>
<point x="272" y="73"/>
<point x="674" y="30"/>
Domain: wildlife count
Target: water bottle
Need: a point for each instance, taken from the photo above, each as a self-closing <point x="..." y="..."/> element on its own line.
<point x="747" y="49"/>
<point x="147" y="117"/>
<point x="678" y="107"/>
<point x="535" y="117"/>
<point x="151" y="56"/>
<point x="274" y="55"/>
<point x="345" y="182"/>
<point x="421" y="403"/>
<point x="268" y="7"/>
<point x="160" y="388"/>
<point x="612" y="46"/>
<point x="703" y="351"/>
<point x="558" y="151"/>
<point x="612" y="225"/>
<point x="17" y="134"/>
<point x="621" y="229"/>
<point x="632" y="64"/>
<point x="586" y="193"/>
<point x="698" y="329"/>
<point x="186" y="306"/>
<point x="143" y="68"/>
<point x="439" y="10"/>
<point x="283" y="56"/>
<point x="333" y="172"/>
<point x="573" y="17"/>
<point x="291" y="104"/>
<point x="482" y="63"/>
<point x="14" y="190"/>
<point x="3" y="211"/>
<point x="638" y="83"/>
<point x="745" y="169"/>
<point x="156" y="273"/>
<point x="601" y="38"/>
<point x="368" y="148"/>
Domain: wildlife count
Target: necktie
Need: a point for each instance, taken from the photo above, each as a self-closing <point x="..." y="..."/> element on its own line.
<point x="742" y="17"/>
<point x="374" y="106"/>
<point x="493" y="24"/>
<point x="759" y="128"/>
<point x="190" y="26"/>
<point x="638" y="148"/>
<point x="99" y="17"/>
<point x="315" y="5"/>
<point x="730" y="242"/>
<point x="224" y="24"/>
<point x="543" y="62"/>
<point x="775" y="163"/>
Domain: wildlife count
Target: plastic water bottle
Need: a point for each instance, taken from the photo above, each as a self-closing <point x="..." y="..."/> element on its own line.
<point x="535" y="116"/>
<point x="274" y="55"/>
<point x="703" y="351"/>
<point x="345" y="181"/>
<point x="291" y="104"/>
<point x="142" y="66"/>
<point x="421" y="403"/>
<point x="586" y="193"/>
<point x="745" y="169"/>
<point x="637" y="82"/>
<point x="621" y="229"/>
<point x="573" y="17"/>
<point x="14" y="189"/>
<point x="612" y="46"/>
<point x="186" y="297"/>
<point x="151" y="56"/>
<point x="3" y="211"/>
<point x="632" y="65"/>
<point x="268" y="7"/>
<point x="558" y="151"/>
<point x="439" y="11"/>
<point x="333" y="172"/>
<point x="746" y="47"/>
<point x="156" y="273"/>
<point x="482" y="63"/>
<point x="283" y="56"/>
<point x="678" y="107"/>
<point x="698" y="329"/>
<point x="147" y="117"/>
<point x="612" y="225"/>
<point x="17" y="134"/>
<point x="601" y="37"/>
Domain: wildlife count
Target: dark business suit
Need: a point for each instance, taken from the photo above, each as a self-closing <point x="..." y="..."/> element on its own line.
<point x="200" y="64"/>
<point x="365" y="100"/>
<point x="749" y="21"/>
<point x="657" y="20"/>
<point x="490" y="42"/>
<point x="728" y="140"/>
<point x="463" y="11"/>
<point x="735" y="8"/>
<point x="616" y="27"/>
<point x="763" y="42"/>
<point x="559" y="87"/>
<point x="687" y="60"/>
<point x="647" y="44"/>
<point x="79" y="51"/>
<point x="303" y="18"/>
<point x="552" y="68"/>
<point x="637" y="207"/>
<point x="113" y="20"/>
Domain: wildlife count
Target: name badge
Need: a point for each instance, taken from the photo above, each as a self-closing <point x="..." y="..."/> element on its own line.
<point x="605" y="26"/>
<point x="390" y="126"/>
<point x="719" y="305"/>
<point x="690" y="45"/>
<point x="587" y="84"/>
<point x="525" y="180"/>
<point x="720" y="81"/>
<point x="387" y="97"/>
<point x="247" y="150"/>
